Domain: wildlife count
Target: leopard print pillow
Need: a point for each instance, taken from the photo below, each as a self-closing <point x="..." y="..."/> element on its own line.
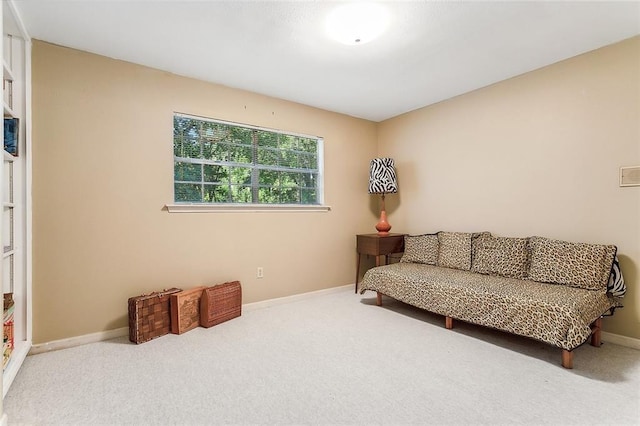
<point x="454" y="250"/>
<point x="506" y="257"/>
<point x="420" y="249"/>
<point x="578" y="265"/>
<point x="476" y="237"/>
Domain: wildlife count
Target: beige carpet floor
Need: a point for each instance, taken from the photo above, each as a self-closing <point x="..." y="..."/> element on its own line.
<point x="331" y="359"/>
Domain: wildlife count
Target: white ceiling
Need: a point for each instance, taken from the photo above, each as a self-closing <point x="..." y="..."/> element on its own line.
<point x="432" y="50"/>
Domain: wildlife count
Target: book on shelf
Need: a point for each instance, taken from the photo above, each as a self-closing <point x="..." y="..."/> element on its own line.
<point x="11" y="127"/>
<point x="7" y="325"/>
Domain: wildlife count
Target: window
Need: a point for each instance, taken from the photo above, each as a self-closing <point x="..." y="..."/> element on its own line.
<point x="220" y="162"/>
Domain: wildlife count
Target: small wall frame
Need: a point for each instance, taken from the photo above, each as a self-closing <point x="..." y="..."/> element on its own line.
<point x="630" y="176"/>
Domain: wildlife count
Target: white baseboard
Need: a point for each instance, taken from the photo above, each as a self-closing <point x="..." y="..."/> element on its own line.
<point x="124" y="331"/>
<point x="4" y="421"/>
<point x="617" y="339"/>
<point x="70" y="342"/>
<point x="288" y="299"/>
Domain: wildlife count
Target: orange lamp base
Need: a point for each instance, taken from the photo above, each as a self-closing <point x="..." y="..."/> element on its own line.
<point x="383" y="226"/>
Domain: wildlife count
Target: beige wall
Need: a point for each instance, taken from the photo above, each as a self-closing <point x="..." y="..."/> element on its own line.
<point x="534" y="155"/>
<point x="102" y="172"/>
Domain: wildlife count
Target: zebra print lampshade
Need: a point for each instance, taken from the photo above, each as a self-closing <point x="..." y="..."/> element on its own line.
<point x="382" y="176"/>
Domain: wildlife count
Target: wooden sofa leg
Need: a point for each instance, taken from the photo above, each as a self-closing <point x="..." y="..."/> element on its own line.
<point x="448" y="323"/>
<point x="379" y="299"/>
<point x="595" y="332"/>
<point x="567" y="358"/>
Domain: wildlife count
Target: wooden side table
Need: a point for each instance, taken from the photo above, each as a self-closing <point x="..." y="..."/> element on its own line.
<point x="378" y="246"/>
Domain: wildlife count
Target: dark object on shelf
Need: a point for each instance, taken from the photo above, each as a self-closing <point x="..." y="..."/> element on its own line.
<point x="150" y="315"/>
<point x="11" y="127"/>
<point x="220" y="303"/>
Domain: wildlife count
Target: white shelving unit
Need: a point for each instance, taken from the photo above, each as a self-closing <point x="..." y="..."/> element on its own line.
<point x="15" y="191"/>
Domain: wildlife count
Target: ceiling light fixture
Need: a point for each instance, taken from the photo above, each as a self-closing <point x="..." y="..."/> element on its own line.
<point x="357" y="23"/>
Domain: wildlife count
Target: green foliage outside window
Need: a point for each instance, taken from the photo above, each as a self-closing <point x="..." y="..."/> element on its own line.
<point x="217" y="162"/>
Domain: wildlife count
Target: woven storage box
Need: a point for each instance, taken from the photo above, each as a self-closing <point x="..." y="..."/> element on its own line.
<point x="150" y="315"/>
<point x="220" y="303"/>
<point x="185" y="310"/>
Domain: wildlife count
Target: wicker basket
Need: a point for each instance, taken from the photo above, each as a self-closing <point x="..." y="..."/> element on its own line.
<point x="150" y="315"/>
<point x="185" y="310"/>
<point x="220" y="303"/>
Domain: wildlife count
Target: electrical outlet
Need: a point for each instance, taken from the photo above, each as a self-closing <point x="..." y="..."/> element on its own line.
<point x="260" y="272"/>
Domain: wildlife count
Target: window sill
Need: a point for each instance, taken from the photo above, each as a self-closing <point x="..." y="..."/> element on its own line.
<point x="223" y="208"/>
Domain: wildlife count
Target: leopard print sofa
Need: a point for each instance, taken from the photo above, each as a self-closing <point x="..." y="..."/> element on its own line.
<point x="550" y="290"/>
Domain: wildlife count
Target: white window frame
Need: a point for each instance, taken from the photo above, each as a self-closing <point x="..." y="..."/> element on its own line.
<point x="204" y="207"/>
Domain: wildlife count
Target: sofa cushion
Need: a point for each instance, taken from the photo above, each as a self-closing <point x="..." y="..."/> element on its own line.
<point x="454" y="250"/>
<point x="503" y="256"/>
<point x="578" y="265"/>
<point x="421" y="249"/>
<point x="476" y="237"/>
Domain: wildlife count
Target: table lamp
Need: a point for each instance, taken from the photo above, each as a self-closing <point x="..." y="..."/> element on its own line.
<point x="382" y="179"/>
